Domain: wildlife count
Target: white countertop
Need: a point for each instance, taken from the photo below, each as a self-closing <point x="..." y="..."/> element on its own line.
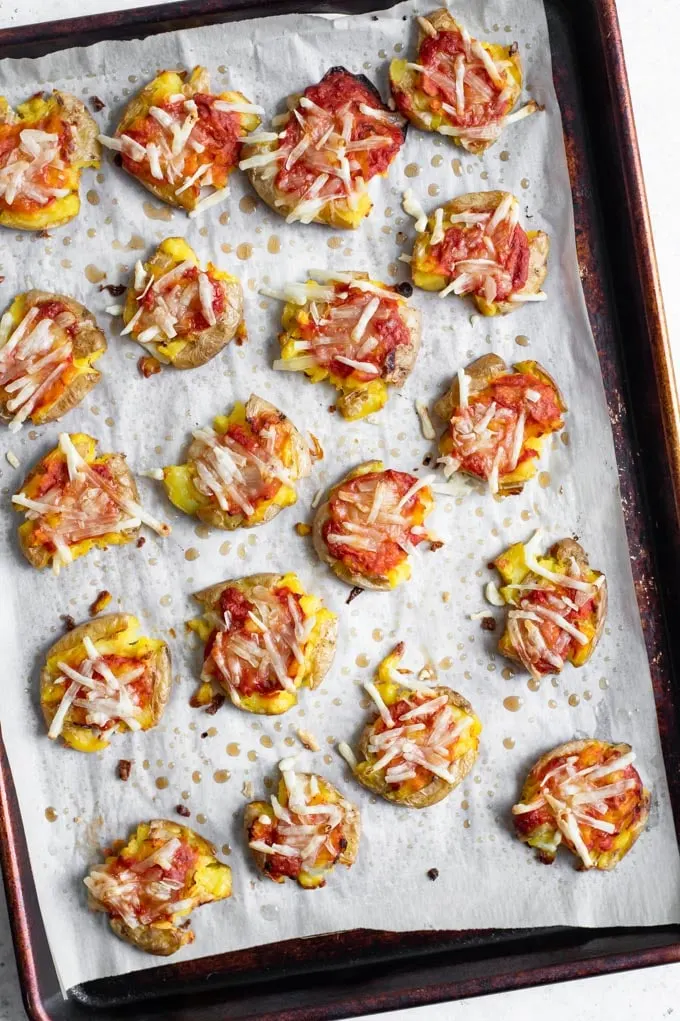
<point x="650" y="31"/>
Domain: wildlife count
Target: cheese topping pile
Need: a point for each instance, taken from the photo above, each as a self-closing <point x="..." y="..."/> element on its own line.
<point x="578" y="798"/>
<point x="306" y="826"/>
<point x="34" y="354"/>
<point x="88" y="505"/>
<point x="420" y="732"/>
<point x="102" y="694"/>
<point x="167" y="304"/>
<point x="24" y="172"/>
<point x="265" y="645"/>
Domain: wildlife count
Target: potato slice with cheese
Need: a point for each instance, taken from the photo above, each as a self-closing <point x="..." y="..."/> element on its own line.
<point x="103" y="677"/>
<point x="358" y="333"/>
<point x="241" y="472"/>
<point x="75" y="500"/>
<point x="48" y="346"/>
<point x="181" y="312"/>
<point x="333" y="140"/>
<point x="178" y="139"/>
<point x="458" y="86"/>
<point x="586" y="796"/>
<point x="498" y="419"/>
<point x="44" y="146"/>
<point x="421" y="744"/>
<point x="476" y="246"/>
<point x="150" y="885"/>
<point x="307" y="829"/>
<point x="371" y="522"/>
<point x="556" y="605"/>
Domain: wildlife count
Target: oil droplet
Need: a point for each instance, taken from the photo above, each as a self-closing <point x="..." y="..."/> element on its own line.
<point x="196" y="776"/>
<point x="66" y="263"/>
<point x="225" y="548"/>
<point x="508" y="743"/>
<point x="533" y="684"/>
<point x="334" y="242"/>
<point x="233" y="749"/>
<point x="221" y="775"/>
<point x="50" y="814"/>
<point x="446" y="663"/>
<point x="192" y="554"/>
<point x="241" y="550"/>
<point x="465" y="805"/>
<point x="507" y="673"/>
<point x="552" y="704"/>
<point x="93" y="197"/>
<point x="466" y="824"/>
<point x="544" y="479"/>
<point x="185" y="795"/>
<point x="274" y="245"/>
<point x="362" y="659"/>
<point x="162" y="782"/>
<point x="136" y="243"/>
<point x="157" y="212"/>
<point x="146" y="764"/>
<point x="437" y="161"/>
<point x="266" y="741"/>
<point x="252" y="755"/>
<point x="398" y="47"/>
<point x="201" y="818"/>
<point x="226" y="849"/>
<point x="457" y="167"/>
<point x="94" y="274"/>
<point x="524" y="182"/>
<point x="574" y="700"/>
<point x="412" y="170"/>
<point x="525" y="515"/>
<point x="587" y="695"/>
<point x="244" y="251"/>
<point x="269" y="911"/>
<point x="566" y="439"/>
<point x="433" y="189"/>
<point x="522" y="340"/>
<point x="165" y="600"/>
<point x="202" y="531"/>
<point x="211" y="731"/>
<point x="377" y="635"/>
<point x="248" y="204"/>
<point x="91" y="232"/>
<point x="290" y="741"/>
<point x="604" y="683"/>
<point x="505" y="156"/>
<point x="109" y="421"/>
<point x="513" y="703"/>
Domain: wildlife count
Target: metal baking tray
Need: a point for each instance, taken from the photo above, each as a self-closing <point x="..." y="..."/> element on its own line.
<point x="362" y="971"/>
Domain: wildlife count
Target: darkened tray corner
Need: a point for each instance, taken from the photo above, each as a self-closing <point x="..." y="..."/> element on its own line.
<point x="360" y="972"/>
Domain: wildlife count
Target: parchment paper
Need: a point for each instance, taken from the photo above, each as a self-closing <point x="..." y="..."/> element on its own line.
<point x="486" y="878"/>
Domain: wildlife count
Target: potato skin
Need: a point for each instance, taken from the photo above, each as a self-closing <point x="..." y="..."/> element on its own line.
<point x="438" y="788"/>
<point x="40" y="557"/>
<point x="324" y="650"/>
<point x="98" y="629"/>
<point x="575" y="748"/>
<point x="88" y="340"/>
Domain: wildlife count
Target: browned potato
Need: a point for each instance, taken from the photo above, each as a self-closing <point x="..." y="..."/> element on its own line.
<point x="522" y="396"/>
<point x="150" y="910"/>
<point x="384" y="354"/>
<point x="184" y="314"/>
<point x="52" y="137"/>
<point x="288" y="172"/>
<point x="42" y="379"/>
<point x="379" y="561"/>
<point x="415" y="775"/>
<point x="295" y="620"/>
<point x="259" y="493"/>
<point x="278" y="851"/>
<point x="566" y="631"/>
<point x="454" y="255"/>
<point x="587" y="796"/>
<point x="139" y="700"/>
<point x="472" y="88"/>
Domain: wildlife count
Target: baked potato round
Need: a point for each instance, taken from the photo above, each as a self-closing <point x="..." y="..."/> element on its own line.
<point x="475" y="246"/>
<point x="557" y="605"/>
<point x="182" y="313"/>
<point x="241" y="472"/>
<point x="459" y="86"/>
<point x="498" y="418"/>
<point x="44" y="146"/>
<point x="586" y="796"/>
<point x="358" y="333"/>
<point x="177" y="138"/>
<point x="283" y="849"/>
<point x="265" y="638"/>
<point x="422" y="743"/>
<point x="149" y="886"/>
<point x="76" y="500"/>
<point x="103" y="677"/>
<point x="48" y="346"/>
<point x="334" y="138"/>
<point x="354" y="529"/>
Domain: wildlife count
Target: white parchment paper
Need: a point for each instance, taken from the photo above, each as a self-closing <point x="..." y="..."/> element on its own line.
<point x="486" y="878"/>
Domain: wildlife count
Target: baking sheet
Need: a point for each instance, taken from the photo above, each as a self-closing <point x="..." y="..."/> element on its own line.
<point x="71" y="804"/>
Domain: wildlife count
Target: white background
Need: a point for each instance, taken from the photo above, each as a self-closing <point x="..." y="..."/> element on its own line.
<point x="649" y="29"/>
